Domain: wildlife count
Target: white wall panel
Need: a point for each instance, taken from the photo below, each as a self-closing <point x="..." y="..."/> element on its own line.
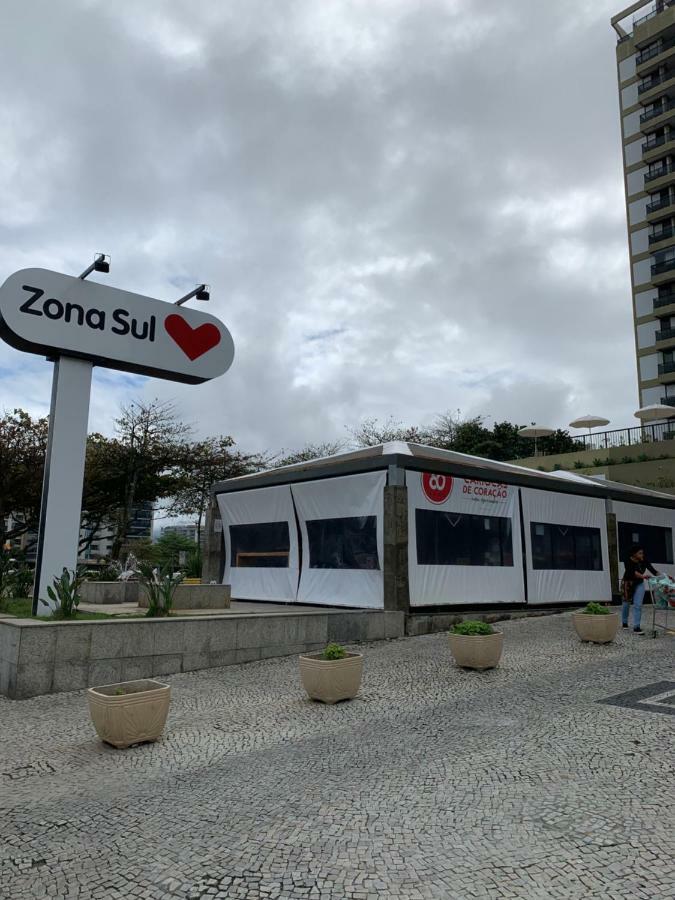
<point x="631" y="123"/>
<point x="649" y="367"/>
<point x="439" y="585"/>
<point x="629" y="95"/>
<point x="637" y="210"/>
<point x="633" y="152"/>
<point x="639" y="240"/>
<point x="642" y="271"/>
<point x="270" y="504"/>
<point x="627" y="68"/>
<point x="646" y="515"/>
<point x="646" y="334"/>
<point x="336" y="498"/>
<point x="636" y="181"/>
<point x="565" y="585"/>
<point x="644" y="302"/>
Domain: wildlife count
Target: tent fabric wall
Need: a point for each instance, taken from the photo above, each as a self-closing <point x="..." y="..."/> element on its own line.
<point x="565" y="585"/>
<point x="440" y="585"/>
<point x="646" y="515"/>
<point x="334" y="498"/>
<point x="272" y="504"/>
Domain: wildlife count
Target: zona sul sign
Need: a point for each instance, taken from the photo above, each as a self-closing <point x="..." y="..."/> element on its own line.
<point x="53" y="314"/>
<point x="79" y="324"/>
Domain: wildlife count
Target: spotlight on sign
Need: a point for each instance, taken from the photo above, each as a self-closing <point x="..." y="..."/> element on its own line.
<point x="102" y="263"/>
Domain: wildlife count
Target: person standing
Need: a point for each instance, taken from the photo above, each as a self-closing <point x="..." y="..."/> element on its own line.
<point x="635" y="578"/>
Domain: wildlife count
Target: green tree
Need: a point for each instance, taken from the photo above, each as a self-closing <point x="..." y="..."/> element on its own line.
<point x="151" y="444"/>
<point x="23" y="446"/>
<point x="307" y="453"/>
<point x="201" y="465"/>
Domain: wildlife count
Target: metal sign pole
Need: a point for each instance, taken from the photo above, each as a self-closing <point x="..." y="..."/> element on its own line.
<point x="59" y="531"/>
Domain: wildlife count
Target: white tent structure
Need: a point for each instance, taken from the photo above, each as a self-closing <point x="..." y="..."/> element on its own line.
<point x="404" y="526"/>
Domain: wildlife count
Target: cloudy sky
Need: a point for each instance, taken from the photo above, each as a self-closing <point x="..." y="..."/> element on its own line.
<point x="401" y="206"/>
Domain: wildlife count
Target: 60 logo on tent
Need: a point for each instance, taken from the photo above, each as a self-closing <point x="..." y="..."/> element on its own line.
<point x="437" y="488"/>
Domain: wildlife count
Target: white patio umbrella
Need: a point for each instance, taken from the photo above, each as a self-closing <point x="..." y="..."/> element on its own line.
<point x="535" y="431"/>
<point x="589" y="422"/>
<point x="654" y="412"/>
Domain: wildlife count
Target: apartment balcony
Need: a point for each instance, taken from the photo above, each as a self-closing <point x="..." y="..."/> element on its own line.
<point x="656" y="140"/>
<point x="649" y="53"/>
<point x="666" y="368"/>
<point x="668" y="401"/>
<point x="666" y="232"/>
<point x="665" y="106"/>
<point x="665" y="169"/>
<point x="660" y="267"/>
<point x="666" y="334"/>
<point x="665" y="299"/>
<point x="655" y="11"/>
<point x="659" y="204"/>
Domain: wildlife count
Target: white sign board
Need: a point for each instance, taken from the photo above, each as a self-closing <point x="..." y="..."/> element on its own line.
<point x="53" y="314"/>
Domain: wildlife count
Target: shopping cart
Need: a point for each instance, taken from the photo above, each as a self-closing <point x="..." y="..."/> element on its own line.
<point x="662" y="589"/>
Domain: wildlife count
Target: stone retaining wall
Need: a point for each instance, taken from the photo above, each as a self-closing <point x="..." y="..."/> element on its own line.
<point x="45" y="657"/>
<point x="196" y="596"/>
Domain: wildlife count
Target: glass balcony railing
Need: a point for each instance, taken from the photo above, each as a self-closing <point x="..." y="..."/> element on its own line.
<point x="662" y="170"/>
<point x="662" y="235"/>
<point x="665" y="265"/>
<point x="661" y="203"/>
<point x="660" y="7"/>
<point x="656" y="140"/>
<point x="654" y="50"/>
<point x="664" y="299"/>
<point x="653" y="81"/>
<point x="662" y="108"/>
<point x="665" y="334"/>
<point x="667" y="367"/>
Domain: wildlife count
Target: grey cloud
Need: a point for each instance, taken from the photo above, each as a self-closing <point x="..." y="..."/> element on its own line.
<point x="437" y="195"/>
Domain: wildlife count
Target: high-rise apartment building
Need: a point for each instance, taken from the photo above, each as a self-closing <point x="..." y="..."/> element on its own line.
<point x="646" y="70"/>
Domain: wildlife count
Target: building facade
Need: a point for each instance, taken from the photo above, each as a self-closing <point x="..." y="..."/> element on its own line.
<point x="187" y="531"/>
<point x="646" y="72"/>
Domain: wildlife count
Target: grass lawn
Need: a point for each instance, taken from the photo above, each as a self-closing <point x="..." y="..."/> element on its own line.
<point x="22" y="609"/>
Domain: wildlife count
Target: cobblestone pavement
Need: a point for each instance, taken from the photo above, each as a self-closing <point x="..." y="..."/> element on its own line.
<point x="435" y="783"/>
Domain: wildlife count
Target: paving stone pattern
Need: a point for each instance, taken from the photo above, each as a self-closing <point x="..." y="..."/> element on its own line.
<point x="435" y="783"/>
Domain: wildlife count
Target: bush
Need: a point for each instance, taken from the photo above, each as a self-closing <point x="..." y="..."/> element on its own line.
<point x="472" y="628"/>
<point x="334" y="651"/>
<point x="578" y="464"/>
<point x="595" y="609"/>
<point x="65" y="594"/>
<point x="160" y="586"/>
<point x="109" y="572"/>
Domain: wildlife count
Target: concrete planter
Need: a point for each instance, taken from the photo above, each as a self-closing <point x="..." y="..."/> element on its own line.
<point x="109" y="592"/>
<point x="195" y="596"/>
<point x="331" y="680"/>
<point x="137" y="715"/>
<point x="479" y="651"/>
<point x="596" y="629"/>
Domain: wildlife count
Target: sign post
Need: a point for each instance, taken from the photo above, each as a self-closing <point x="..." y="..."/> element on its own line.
<point x="80" y="324"/>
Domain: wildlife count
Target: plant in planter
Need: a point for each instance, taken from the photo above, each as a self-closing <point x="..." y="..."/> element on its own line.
<point x="333" y="674"/>
<point x="131" y="712"/>
<point x="65" y="593"/>
<point x="596" y="623"/>
<point x="476" y="645"/>
<point x="160" y="586"/>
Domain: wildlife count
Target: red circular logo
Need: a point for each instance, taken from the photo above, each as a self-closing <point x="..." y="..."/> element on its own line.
<point x="437" y="488"/>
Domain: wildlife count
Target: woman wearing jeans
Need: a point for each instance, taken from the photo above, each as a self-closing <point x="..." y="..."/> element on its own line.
<point x="635" y="575"/>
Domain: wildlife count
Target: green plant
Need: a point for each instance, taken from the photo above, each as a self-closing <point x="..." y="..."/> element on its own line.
<point x="109" y="572"/>
<point x="472" y="628"/>
<point x="160" y="586"/>
<point x="119" y="692"/>
<point x="643" y="457"/>
<point x="597" y="462"/>
<point x="578" y="464"/>
<point x="627" y="459"/>
<point x="193" y="566"/>
<point x="64" y="592"/>
<point x="595" y="609"/>
<point x="334" y="651"/>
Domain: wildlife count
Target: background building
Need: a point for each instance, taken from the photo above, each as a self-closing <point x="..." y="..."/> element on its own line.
<point x="646" y="72"/>
<point x="189" y="532"/>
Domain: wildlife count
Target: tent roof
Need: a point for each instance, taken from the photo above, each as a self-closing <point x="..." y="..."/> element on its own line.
<point x="405" y="455"/>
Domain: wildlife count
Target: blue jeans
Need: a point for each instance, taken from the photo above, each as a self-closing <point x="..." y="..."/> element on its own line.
<point x="638" y="597"/>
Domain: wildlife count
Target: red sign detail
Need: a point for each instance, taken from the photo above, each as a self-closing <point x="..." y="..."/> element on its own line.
<point x="437" y="488"/>
<point x="194" y="342"/>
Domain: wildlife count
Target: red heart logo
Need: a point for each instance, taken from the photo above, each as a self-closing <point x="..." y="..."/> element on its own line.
<point x="194" y="342"/>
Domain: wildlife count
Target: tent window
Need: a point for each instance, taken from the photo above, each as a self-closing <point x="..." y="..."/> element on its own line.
<point x="565" y="547"/>
<point x="657" y="541"/>
<point x="262" y="545"/>
<point x="456" y="539"/>
<point x="349" y="543"/>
